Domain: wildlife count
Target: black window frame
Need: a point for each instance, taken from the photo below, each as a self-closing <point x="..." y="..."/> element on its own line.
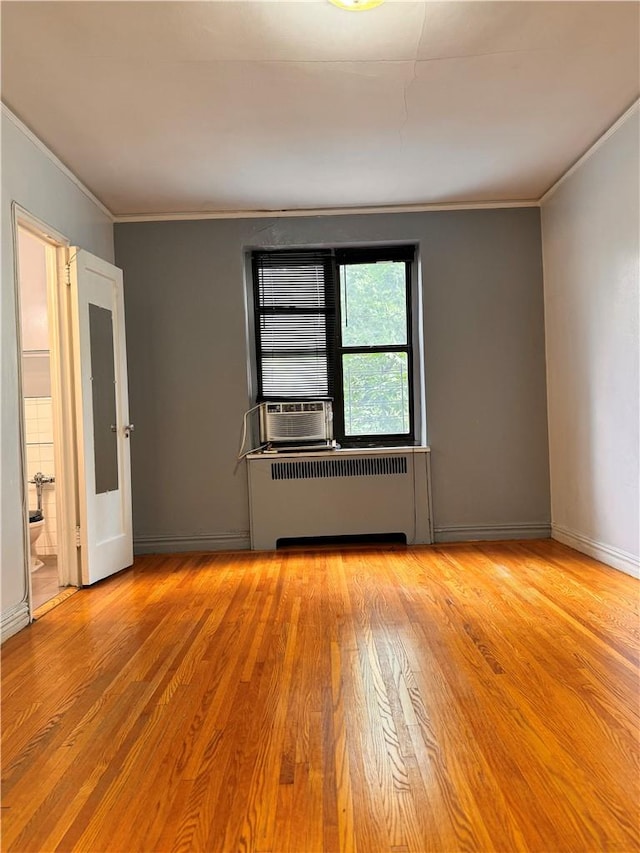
<point x="372" y="255"/>
<point x="333" y="260"/>
<point x="293" y="257"/>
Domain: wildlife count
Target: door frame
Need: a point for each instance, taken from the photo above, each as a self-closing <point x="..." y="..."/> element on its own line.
<point x="62" y="392"/>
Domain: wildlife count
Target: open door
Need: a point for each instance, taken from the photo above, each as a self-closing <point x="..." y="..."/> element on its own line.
<point x="102" y="417"/>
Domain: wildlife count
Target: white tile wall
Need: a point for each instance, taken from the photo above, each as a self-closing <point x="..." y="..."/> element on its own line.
<point x="40" y="457"/>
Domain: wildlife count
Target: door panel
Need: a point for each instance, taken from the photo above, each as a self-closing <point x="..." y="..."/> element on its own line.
<point x="102" y="414"/>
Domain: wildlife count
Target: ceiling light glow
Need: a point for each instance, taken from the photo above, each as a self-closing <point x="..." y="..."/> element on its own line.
<point x="356" y="5"/>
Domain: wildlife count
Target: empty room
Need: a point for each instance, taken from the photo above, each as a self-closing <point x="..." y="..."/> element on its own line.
<point x="320" y="426"/>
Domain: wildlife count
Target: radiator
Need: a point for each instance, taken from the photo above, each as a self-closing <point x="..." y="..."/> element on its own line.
<point x="339" y="493"/>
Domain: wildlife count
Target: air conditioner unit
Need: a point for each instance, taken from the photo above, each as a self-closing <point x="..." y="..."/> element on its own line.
<point x="292" y="423"/>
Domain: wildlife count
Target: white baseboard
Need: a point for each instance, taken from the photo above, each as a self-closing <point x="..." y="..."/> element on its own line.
<point x="488" y="532"/>
<point x="239" y="541"/>
<point x="13" y="620"/>
<point x="624" y="561"/>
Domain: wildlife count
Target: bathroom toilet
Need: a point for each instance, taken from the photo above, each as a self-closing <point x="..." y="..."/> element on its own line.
<point x="36" y="526"/>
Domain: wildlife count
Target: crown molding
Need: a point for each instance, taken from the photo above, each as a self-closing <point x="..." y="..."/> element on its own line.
<point x="48" y="153"/>
<point x="321" y="211"/>
<point x="626" y="115"/>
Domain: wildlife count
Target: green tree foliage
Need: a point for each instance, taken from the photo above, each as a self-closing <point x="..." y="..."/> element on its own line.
<point x="373" y="308"/>
<point x="375" y="393"/>
<point x="373" y="304"/>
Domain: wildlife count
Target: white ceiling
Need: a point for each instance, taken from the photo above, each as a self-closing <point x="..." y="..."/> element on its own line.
<point x="176" y="107"/>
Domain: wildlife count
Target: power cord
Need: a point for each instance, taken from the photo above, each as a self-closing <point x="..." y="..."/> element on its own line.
<point x="242" y="455"/>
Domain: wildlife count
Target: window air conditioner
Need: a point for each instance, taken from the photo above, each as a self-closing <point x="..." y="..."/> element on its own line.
<point x="294" y="422"/>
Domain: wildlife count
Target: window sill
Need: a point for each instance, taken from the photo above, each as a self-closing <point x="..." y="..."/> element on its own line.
<point x="341" y="451"/>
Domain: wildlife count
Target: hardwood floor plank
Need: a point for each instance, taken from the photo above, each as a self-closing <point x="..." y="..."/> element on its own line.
<point x="471" y="697"/>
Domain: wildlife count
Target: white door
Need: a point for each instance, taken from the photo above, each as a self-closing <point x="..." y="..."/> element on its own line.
<point x="102" y="416"/>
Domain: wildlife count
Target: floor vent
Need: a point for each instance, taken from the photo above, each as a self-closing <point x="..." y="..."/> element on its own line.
<point x="347" y="541"/>
<point x="318" y="469"/>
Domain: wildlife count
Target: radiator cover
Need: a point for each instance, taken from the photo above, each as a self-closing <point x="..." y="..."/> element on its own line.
<point x="340" y="493"/>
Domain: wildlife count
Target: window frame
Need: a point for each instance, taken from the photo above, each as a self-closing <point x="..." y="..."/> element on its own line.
<point x="332" y="311"/>
<point x="371" y="255"/>
<point x="327" y="311"/>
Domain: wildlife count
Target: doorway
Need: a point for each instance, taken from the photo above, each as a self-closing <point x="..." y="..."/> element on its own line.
<point x="47" y="435"/>
<point x="74" y="414"/>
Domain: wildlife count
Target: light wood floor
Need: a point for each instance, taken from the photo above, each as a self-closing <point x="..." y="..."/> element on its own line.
<point x="461" y="698"/>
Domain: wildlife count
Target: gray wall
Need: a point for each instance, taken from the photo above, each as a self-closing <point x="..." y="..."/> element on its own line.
<point x="484" y="366"/>
<point x="33" y="179"/>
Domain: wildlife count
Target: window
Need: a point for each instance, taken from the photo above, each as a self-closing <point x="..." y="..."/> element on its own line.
<point x="337" y="324"/>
